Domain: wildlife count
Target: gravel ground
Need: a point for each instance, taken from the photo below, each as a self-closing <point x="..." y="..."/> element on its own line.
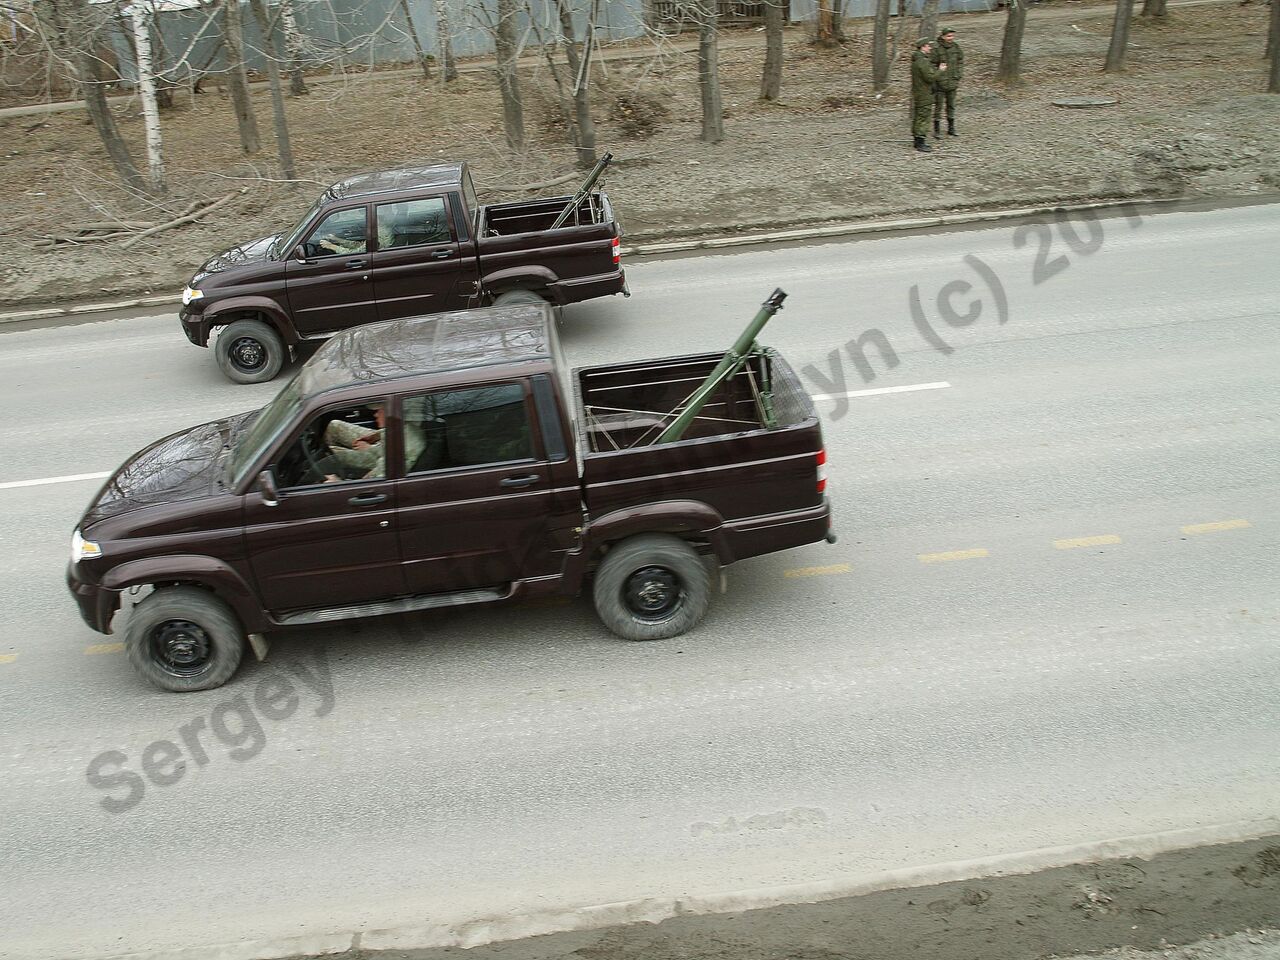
<point x="1190" y="120"/>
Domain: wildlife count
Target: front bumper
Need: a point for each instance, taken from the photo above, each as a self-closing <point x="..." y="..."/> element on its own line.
<point x="97" y="604"/>
<point x="194" y="324"/>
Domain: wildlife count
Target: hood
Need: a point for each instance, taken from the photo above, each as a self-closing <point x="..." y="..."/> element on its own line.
<point x="182" y="466"/>
<point x="255" y="251"/>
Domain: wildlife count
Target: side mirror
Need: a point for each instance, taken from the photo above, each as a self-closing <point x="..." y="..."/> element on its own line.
<point x="300" y="252"/>
<point x="267" y="487"/>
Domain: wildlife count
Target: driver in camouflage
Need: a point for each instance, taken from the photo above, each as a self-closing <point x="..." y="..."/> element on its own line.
<point x="923" y="76"/>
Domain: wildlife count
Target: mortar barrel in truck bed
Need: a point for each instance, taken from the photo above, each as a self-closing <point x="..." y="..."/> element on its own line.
<point x="393" y="244"/>
<point x="444" y="460"/>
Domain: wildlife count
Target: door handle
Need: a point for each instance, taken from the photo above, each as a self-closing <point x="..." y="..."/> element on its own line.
<point x="441" y="254"/>
<point x="356" y="264"/>
<point x="367" y="499"/>
<point x="530" y="479"/>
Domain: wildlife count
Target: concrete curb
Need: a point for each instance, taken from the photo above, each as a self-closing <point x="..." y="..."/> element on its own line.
<point x="830" y="230"/>
<point x="656" y="909"/>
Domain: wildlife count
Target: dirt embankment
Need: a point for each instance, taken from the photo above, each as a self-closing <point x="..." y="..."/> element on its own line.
<point x="1191" y="119"/>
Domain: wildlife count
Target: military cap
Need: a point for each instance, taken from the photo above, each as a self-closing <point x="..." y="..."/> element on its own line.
<point x="944" y="31"/>
<point x="923" y="42"/>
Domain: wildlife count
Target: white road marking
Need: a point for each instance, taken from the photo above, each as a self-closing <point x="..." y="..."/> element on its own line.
<point x="43" y="481"/>
<point x="909" y="388"/>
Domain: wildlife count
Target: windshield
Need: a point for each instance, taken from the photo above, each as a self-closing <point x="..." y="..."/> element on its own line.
<point x="265" y="426"/>
<point x="289" y="240"/>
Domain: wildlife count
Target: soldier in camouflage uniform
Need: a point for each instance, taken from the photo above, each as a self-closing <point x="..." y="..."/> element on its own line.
<point x="946" y="51"/>
<point x="923" y="76"/>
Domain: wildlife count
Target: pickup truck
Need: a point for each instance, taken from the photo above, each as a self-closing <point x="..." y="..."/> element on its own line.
<point x="393" y="244"/>
<point x="443" y="460"/>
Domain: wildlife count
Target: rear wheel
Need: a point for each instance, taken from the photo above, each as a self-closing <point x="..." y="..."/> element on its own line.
<point x="249" y="351"/>
<point x="651" y="587"/>
<point x="512" y="297"/>
<point x="184" y="638"/>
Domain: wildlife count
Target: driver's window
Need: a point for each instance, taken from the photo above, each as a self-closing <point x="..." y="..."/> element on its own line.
<point x="338" y="446"/>
<point x="341" y="233"/>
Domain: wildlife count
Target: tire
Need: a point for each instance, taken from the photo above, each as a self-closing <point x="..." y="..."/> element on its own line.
<point x="651" y="587"/>
<point x="512" y="297"/>
<point x="182" y="639"/>
<point x="250" y="351"/>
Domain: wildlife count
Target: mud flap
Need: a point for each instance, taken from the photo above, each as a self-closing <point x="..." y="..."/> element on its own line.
<point x="260" y="646"/>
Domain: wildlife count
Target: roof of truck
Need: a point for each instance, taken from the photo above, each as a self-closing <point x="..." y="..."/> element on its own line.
<point x="389" y="181"/>
<point x="414" y="346"/>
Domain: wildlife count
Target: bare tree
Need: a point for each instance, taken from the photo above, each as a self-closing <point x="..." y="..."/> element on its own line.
<point x="266" y="27"/>
<point x="837" y="20"/>
<point x="1010" y="66"/>
<point x="417" y="43"/>
<point x="140" y="21"/>
<point x="929" y="19"/>
<point x="1273" y="41"/>
<point x="237" y="79"/>
<point x="508" y="79"/>
<point x="292" y="49"/>
<point x="1119" y="36"/>
<point x="771" y="81"/>
<point x="1155" y="8"/>
<point x="880" y="45"/>
<point x="709" y="72"/>
<point x="444" y="41"/>
<point x="826" y="34"/>
<point x="584" y="128"/>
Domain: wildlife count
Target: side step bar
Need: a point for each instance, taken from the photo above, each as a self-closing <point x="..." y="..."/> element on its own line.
<point x="428" y="601"/>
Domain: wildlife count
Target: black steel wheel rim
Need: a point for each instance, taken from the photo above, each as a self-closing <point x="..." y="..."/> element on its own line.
<point x="653" y="593"/>
<point x="181" y="648"/>
<point x="248" y="353"/>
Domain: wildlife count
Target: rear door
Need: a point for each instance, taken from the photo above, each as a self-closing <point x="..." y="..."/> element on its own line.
<point x="332" y="289"/>
<point x="417" y="264"/>
<point x="476" y="506"/>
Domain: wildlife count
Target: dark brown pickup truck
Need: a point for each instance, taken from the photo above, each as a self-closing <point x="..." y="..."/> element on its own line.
<point x="399" y="243"/>
<point x="444" y="460"/>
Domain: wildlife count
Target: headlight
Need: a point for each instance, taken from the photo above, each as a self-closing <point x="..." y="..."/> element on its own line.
<point x="82" y="549"/>
<point x="191" y="293"/>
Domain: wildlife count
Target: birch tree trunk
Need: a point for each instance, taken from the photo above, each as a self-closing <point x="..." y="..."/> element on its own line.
<point x="233" y="41"/>
<point x="880" y="45"/>
<point x="280" y="121"/>
<point x="444" y="40"/>
<point x="709" y="73"/>
<point x="417" y="44"/>
<point x="928" y="20"/>
<point x="771" y="81"/>
<point x="508" y="79"/>
<point x="1010" y="67"/>
<point x="140" y="20"/>
<point x="293" y="49"/>
<point x="1119" y="36"/>
<point x="584" y="128"/>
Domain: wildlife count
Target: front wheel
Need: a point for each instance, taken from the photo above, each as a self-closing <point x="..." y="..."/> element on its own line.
<point x="249" y="351"/>
<point x="651" y="587"/>
<point x="183" y="639"/>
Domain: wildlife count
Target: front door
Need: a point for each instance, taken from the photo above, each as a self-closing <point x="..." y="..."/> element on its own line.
<point x="332" y="288"/>
<point x="475" y="502"/>
<point x="332" y="539"/>
<point x="416" y="265"/>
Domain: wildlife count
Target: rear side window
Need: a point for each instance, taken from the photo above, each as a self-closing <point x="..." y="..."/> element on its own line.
<point x="410" y="223"/>
<point x="466" y="428"/>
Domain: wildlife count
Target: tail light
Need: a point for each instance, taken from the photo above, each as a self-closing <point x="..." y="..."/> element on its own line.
<point x="822" y="471"/>
<point x="617" y="249"/>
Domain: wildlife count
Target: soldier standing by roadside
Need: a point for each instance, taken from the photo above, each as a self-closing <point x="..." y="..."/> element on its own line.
<point x="947" y="55"/>
<point x="923" y="76"/>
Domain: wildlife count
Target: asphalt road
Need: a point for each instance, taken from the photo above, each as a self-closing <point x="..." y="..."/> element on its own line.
<point x="1052" y="617"/>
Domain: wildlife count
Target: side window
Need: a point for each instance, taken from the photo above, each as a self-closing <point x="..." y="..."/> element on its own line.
<point x="466" y="428"/>
<point x="412" y="222"/>
<point x="340" y="233"/>
<point x="338" y="445"/>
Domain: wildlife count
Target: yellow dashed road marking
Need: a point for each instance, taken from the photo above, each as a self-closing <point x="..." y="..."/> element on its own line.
<point x="818" y="571"/>
<point x="103" y="648"/>
<point x="1215" y="527"/>
<point x="1073" y="542"/>
<point x="8" y="657"/>
<point x="953" y="555"/>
